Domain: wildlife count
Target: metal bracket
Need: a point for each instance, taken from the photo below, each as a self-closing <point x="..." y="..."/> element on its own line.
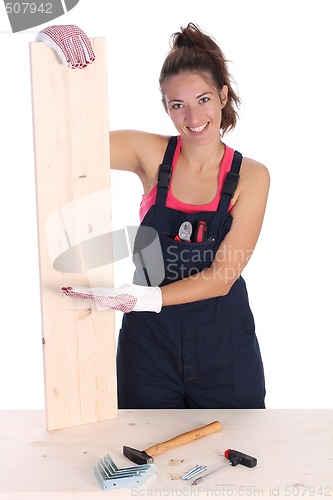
<point x="110" y="476"/>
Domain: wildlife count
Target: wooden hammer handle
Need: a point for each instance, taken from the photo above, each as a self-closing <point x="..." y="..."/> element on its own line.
<point x="187" y="437"/>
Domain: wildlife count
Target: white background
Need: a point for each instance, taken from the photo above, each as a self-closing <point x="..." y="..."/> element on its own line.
<point x="280" y="55"/>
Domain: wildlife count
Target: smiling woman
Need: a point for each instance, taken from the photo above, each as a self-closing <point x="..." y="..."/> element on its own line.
<point x="208" y="61"/>
<point x="194" y="104"/>
<point x="188" y="340"/>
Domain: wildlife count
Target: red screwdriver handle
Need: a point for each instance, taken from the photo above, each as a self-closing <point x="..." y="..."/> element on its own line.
<point x="200" y="234"/>
<point x="237" y="457"/>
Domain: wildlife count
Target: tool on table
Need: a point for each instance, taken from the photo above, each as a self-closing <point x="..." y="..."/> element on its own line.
<point x="147" y="456"/>
<point x="111" y="477"/>
<point x="194" y="472"/>
<point x="200" y="233"/>
<point x="235" y="458"/>
<point x="184" y="232"/>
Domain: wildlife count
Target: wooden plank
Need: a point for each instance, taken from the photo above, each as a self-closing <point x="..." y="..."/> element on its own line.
<point x="71" y="142"/>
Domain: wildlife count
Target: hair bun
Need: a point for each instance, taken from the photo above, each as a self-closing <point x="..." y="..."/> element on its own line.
<point x="186" y="42"/>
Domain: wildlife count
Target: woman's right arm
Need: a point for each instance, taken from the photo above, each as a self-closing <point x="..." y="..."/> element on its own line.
<point x="138" y="152"/>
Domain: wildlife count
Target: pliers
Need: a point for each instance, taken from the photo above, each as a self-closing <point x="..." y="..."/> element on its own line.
<point x="185" y="232"/>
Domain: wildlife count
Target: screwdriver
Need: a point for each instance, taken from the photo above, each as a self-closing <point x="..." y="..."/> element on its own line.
<point x="235" y="457"/>
<point x="202" y="478"/>
<point x="200" y="233"/>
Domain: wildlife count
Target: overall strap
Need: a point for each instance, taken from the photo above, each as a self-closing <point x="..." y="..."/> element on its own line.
<point x="165" y="170"/>
<point x="230" y="183"/>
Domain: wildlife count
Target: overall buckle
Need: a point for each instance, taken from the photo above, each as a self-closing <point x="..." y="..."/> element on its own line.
<point x="164" y="175"/>
<point x="230" y="184"/>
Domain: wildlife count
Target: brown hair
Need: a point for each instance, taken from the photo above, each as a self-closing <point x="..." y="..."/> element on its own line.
<point x="193" y="50"/>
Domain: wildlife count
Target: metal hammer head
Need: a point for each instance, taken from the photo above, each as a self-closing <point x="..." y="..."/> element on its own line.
<point x="137" y="456"/>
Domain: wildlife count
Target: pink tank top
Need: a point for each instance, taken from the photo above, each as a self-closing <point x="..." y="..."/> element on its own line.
<point x="149" y="199"/>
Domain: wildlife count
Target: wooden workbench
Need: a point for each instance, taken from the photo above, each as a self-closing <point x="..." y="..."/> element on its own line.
<point x="294" y="449"/>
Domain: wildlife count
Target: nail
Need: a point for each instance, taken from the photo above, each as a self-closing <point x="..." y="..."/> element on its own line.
<point x="190" y="471"/>
<point x="193" y="472"/>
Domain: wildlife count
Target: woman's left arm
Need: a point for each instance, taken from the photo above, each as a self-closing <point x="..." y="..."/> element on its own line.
<point x="249" y="204"/>
<point x="232" y="256"/>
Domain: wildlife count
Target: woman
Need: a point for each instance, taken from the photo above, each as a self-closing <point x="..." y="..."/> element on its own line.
<point x="189" y="340"/>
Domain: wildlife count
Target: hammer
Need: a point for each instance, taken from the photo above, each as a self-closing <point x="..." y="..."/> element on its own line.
<point x="147" y="456"/>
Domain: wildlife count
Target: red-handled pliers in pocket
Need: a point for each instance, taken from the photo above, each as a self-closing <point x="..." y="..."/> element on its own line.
<point x="185" y="231"/>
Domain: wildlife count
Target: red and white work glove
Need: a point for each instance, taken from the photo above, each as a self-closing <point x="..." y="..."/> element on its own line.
<point x="126" y="298"/>
<point x="70" y="43"/>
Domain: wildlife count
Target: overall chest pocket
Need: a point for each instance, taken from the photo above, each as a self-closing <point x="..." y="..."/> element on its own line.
<point x="187" y="258"/>
<point x="167" y="258"/>
<point x="183" y="259"/>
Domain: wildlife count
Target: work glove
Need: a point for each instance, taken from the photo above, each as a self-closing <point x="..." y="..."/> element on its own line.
<point x="70" y="43"/>
<point x="126" y="298"/>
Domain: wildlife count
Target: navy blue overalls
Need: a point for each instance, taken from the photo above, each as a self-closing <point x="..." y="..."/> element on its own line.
<point x="203" y="354"/>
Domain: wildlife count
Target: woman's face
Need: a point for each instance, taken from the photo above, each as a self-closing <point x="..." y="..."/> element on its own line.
<point x="194" y="106"/>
